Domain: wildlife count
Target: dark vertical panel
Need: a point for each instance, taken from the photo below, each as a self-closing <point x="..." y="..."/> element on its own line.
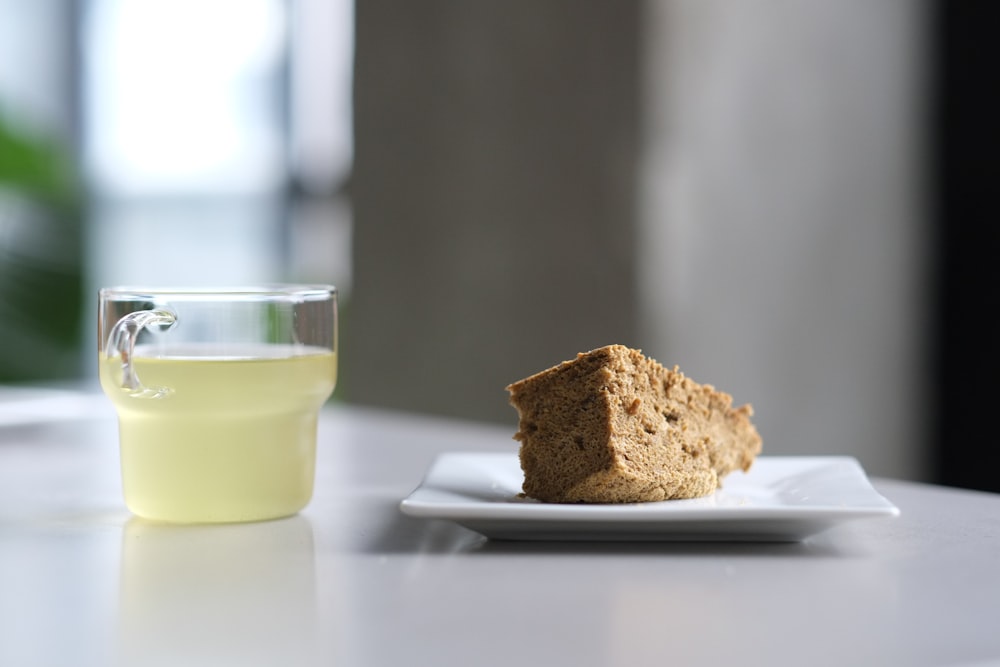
<point x="493" y="194"/>
<point x="967" y="161"/>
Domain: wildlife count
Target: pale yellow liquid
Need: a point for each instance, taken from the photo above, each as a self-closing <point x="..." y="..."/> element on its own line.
<point x="234" y="439"/>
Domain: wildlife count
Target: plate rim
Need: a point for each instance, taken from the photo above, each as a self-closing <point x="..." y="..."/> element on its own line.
<point x="666" y="512"/>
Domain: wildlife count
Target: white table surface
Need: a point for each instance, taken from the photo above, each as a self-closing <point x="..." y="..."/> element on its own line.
<point x="352" y="581"/>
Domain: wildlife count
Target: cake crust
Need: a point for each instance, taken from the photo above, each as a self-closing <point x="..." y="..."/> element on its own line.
<point x="615" y="426"/>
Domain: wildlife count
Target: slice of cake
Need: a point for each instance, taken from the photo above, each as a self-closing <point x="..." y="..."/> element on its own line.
<point x="614" y="426"/>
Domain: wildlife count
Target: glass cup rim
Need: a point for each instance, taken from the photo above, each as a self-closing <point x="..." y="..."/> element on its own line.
<point x="264" y="291"/>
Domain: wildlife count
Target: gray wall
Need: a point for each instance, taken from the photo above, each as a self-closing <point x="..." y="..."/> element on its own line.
<point x="784" y="229"/>
<point x="733" y="187"/>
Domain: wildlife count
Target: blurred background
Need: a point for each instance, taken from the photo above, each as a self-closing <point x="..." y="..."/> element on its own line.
<point x="786" y="198"/>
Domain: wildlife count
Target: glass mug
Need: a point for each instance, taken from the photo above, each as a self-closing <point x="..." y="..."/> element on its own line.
<point x="218" y="393"/>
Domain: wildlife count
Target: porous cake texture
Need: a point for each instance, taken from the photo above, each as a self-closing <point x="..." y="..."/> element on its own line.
<point x="614" y="426"/>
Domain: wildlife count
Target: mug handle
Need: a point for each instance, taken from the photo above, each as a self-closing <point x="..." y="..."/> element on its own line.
<point x="121" y="342"/>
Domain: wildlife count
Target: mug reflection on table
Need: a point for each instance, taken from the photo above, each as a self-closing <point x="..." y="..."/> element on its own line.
<point x="217" y="595"/>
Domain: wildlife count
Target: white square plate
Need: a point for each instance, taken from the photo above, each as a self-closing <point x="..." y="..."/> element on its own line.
<point x="781" y="499"/>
